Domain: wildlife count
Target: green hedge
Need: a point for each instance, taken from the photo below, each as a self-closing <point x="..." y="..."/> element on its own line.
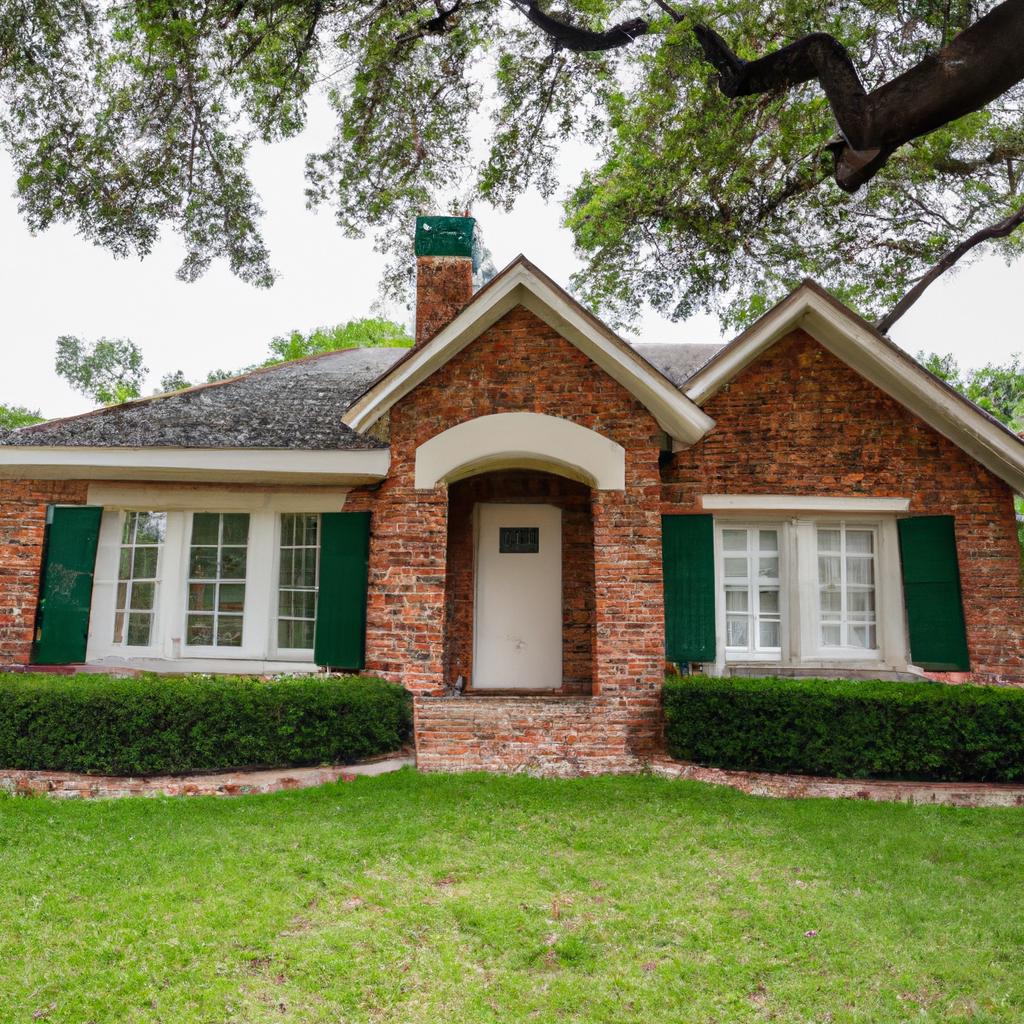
<point x="156" y="724"/>
<point x="847" y="728"/>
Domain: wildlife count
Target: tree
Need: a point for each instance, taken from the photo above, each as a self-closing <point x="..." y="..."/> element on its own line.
<point x="109" y="371"/>
<point x="174" y="381"/>
<point x="126" y="118"/>
<point x="14" y="416"/>
<point x="370" y="332"/>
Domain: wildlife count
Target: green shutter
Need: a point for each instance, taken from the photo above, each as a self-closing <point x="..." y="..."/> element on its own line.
<point x="688" y="563"/>
<point x="341" y="602"/>
<point x="66" y="586"/>
<point x="931" y="589"/>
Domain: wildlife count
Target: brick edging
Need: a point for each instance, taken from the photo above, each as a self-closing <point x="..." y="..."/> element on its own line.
<point x="949" y="794"/>
<point x="77" y="785"/>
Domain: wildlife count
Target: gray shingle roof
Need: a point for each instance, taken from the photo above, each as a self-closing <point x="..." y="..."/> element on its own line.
<point x="295" y="405"/>
<point x="292" y="405"/>
<point x="678" y="361"/>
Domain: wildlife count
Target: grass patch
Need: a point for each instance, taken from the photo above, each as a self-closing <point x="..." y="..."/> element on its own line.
<point x="480" y="899"/>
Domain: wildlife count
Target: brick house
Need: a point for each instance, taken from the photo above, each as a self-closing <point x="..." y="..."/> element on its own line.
<point x="523" y="518"/>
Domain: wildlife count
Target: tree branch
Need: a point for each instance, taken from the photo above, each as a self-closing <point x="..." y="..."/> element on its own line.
<point x="582" y="40"/>
<point x="1001" y="229"/>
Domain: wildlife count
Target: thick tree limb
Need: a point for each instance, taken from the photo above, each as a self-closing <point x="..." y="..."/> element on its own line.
<point x="1001" y="229"/>
<point x="979" y="65"/>
<point x="583" y="40"/>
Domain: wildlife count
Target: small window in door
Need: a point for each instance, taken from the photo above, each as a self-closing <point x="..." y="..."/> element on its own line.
<point x="519" y="540"/>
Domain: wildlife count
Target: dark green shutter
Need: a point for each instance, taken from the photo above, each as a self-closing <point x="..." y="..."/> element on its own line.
<point x="688" y="563"/>
<point x="341" y="603"/>
<point x="69" y="558"/>
<point x="931" y="589"/>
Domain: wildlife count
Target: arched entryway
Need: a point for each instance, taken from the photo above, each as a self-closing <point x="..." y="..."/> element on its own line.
<point x="520" y="583"/>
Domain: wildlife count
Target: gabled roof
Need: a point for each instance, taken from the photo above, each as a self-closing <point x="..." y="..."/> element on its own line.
<point x="855" y="342"/>
<point x="522" y="284"/>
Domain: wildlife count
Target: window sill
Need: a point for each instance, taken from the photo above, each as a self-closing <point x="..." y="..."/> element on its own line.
<point x="188" y="666"/>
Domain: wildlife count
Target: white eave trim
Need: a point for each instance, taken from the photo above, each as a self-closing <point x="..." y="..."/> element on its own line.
<point x="800" y="503"/>
<point x="680" y="418"/>
<point x="894" y="373"/>
<point x="221" y="465"/>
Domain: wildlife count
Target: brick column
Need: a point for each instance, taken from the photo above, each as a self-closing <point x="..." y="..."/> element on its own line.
<point x="444" y="272"/>
<point x="629" y="642"/>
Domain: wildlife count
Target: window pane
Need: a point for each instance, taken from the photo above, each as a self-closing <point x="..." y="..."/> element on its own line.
<point x="769" y="602"/>
<point x="831" y="603"/>
<point x="860" y="570"/>
<point x="142" y="595"/>
<point x="861" y="601"/>
<point x="862" y="636"/>
<point x="769" y="540"/>
<point x="736" y="568"/>
<point x="736" y="599"/>
<point x="202" y="563"/>
<point x="734" y="540"/>
<point x="150" y="527"/>
<point x="119" y="621"/>
<point x="737" y="631"/>
<point x="232" y="564"/>
<point x="770" y="635"/>
<point x="829" y="570"/>
<point x="769" y="568"/>
<point x="205" y="528"/>
<point x="859" y="542"/>
<point x="229" y="630"/>
<point x="231" y="597"/>
<point x="297" y="580"/>
<point x="829" y="540"/>
<point x="144" y="567"/>
<point x="236" y="528"/>
<point x="199" y="632"/>
<point x="201" y="596"/>
<point x="139" y="625"/>
<point x="830" y="634"/>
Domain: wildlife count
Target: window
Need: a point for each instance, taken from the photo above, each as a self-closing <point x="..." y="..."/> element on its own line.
<point x="298" y="579"/>
<point x="846" y="587"/>
<point x="141" y="538"/>
<point x="218" y="555"/>
<point x="751" y="577"/>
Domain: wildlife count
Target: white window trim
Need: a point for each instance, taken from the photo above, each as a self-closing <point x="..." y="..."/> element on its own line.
<point x="287" y="653"/>
<point x="734" y="655"/>
<point x="799" y="569"/>
<point x="167" y="650"/>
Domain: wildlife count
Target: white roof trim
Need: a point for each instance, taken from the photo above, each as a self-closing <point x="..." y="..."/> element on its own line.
<point x="222" y="465"/>
<point x="800" y="503"/>
<point x="519" y="285"/>
<point x="861" y="348"/>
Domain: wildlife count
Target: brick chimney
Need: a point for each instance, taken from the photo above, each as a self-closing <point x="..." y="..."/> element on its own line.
<point x="444" y="271"/>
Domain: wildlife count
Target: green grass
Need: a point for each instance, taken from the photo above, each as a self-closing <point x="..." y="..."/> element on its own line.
<point x="479" y="899"/>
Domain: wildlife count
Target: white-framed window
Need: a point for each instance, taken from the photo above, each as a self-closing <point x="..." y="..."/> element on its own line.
<point x="750" y="569"/>
<point x="142" y="537"/>
<point x="209" y="589"/>
<point x="298" y="580"/>
<point x="846" y="587"/>
<point x="217" y="567"/>
<point x="817" y="590"/>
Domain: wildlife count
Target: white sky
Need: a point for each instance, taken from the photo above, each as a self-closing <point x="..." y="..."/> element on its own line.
<point x="57" y="283"/>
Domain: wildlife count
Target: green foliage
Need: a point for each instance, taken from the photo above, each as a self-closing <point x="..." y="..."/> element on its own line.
<point x="109" y="371"/>
<point x="847" y="728"/>
<point x="370" y="332"/>
<point x="165" y="724"/>
<point x="999" y="390"/>
<point x="125" y="118"/>
<point x="174" y="381"/>
<point x="14" y="416"/>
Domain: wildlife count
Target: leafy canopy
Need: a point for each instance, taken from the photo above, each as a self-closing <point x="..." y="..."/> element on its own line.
<point x="14" y="416"/>
<point x="126" y="118"/>
<point x="108" y="371"/>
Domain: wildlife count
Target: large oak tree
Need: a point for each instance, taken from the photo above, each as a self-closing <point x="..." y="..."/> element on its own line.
<point x="127" y="117"/>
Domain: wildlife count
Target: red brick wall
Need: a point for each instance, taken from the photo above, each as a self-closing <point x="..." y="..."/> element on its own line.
<point x="577" y="567"/>
<point x="799" y="421"/>
<point x="22" y="524"/>
<point x="521" y="364"/>
<point x="444" y="284"/>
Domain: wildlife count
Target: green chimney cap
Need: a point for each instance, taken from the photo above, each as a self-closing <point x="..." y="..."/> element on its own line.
<point x="445" y="236"/>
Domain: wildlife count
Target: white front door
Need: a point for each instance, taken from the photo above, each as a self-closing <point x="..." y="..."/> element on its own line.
<point x="518" y="619"/>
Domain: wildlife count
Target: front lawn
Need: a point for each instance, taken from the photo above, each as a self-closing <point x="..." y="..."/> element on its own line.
<point x="475" y="899"/>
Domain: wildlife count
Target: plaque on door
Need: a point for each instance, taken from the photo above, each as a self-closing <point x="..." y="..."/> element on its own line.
<point x="518" y="540"/>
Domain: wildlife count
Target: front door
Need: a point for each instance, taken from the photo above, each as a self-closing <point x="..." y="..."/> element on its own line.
<point x="518" y="617"/>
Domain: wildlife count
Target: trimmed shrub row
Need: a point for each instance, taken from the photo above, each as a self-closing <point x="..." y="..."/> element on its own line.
<point x="157" y="724"/>
<point x="847" y="728"/>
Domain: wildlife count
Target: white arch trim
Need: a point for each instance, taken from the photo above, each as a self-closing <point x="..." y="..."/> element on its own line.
<point x="521" y="440"/>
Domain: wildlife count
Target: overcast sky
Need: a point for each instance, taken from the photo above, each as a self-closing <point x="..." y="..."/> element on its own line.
<point x="57" y="284"/>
